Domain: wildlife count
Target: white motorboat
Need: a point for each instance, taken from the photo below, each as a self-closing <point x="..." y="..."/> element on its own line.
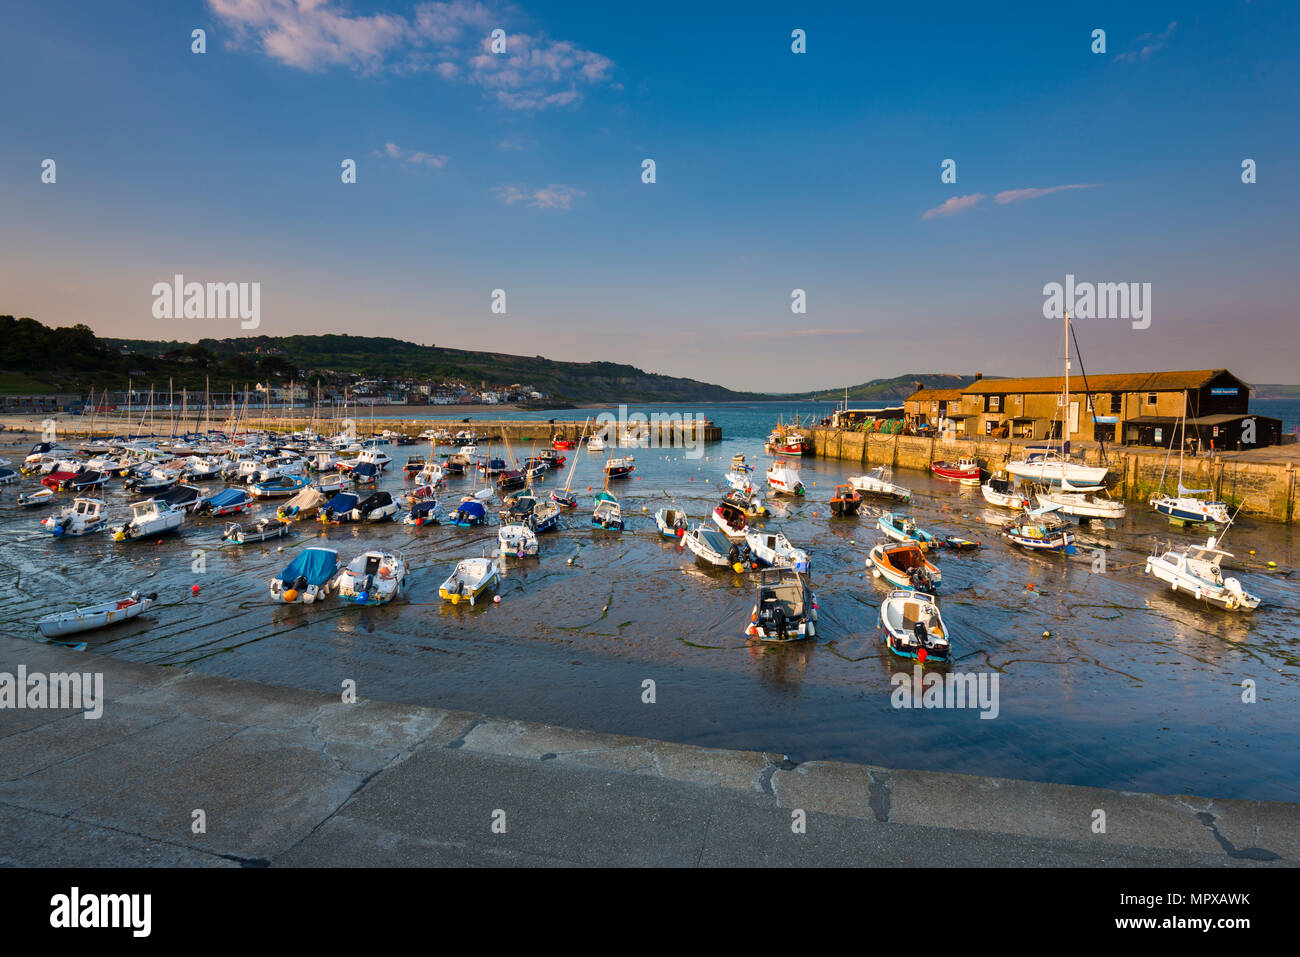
<point x="95" y="616"/>
<point x="913" y="626"/>
<point x="713" y="548"/>
<point x="783" y="479"/>
<point x="518" y="541"/>
<point x="37" y="498"/>
<point x="741" y="482"/>
<point x="1083" y="503"/>
<point x="84" y="516"/>
<point x="1050" y="467"/>
<point x="774" y="550"/>
<point x="879" y="482"/>
<point x="374" y="577"/>
<point x="730" y="518"/>
<point x="671" y="522"/>
<point x="1195" y="570"/>
<point x="904" y="564"/>
<point x="470" y="578"/>
<point x="252" y="532"/>
<point x="607" y="513"/>
<point x="596" y="442"/>
<point x="1003" y="493"/>
<point x="310" y="576"/>
<point x="149" y="518"/>
<point x="785" y="610"/>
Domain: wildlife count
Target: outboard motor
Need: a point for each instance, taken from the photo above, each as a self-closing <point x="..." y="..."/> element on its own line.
<point x="921" y="634"/>
<point x="778" y="621"/>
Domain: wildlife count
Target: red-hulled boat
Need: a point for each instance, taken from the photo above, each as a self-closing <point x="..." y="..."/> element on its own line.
<point x="56" y="480"/>
<point x="562" y="443"/>
<point x="964" y="468"/>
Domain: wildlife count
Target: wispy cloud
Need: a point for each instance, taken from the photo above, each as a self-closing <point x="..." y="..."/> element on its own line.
<point x="554" y="196"/>
<point x="434" y="160"/>
<point x="791" y="333"/>
<point x="451" y="38"/>
<point x="958" y="204"/>
<point x="1152" y="44"/>
<point x="1033" y="192"/>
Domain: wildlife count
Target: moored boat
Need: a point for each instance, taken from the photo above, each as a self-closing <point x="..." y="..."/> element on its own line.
<point x="251" y="532"/>
<point x="730" y="518"/>
<point x="518" y="541"/>
<point x="1038" y="531"/>
<point x="845" y="501"/>
<point x="469" y="579"/>
<point x="1195" y="570"/>
<point x="468" y="513"/>
<point x="964" y="468"/>
<point x="904" y="564"/>
<point x="310" y="576"/>
<point x="83" y="517"/>
<point x="902" y="528"/>
<point x="785" y="609"/>
<point x="607" y="514"/>
<point x="775" y="550"/>
<point x="913" y="626"/>
<point x="1002" y="492"/>
<point x="879" y="482"/>
<point x="783" y="479"/>
<point x="374" y="577"/>
<point x="149" y="518"/>
<point x="106" y="613"/>
<point x="671" y="522"/>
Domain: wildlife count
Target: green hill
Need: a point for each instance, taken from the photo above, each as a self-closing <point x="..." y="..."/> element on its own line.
<point x="897" y="388"/>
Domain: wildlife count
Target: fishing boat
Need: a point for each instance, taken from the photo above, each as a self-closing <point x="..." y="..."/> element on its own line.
<point x="782" y="441"/>
<point x="620" y="467"/>
<point x="468" y="513"/>
<point x="879" y="482"/>
<point x="303" y="505"/>
<point x="149" y="518"/>
<point x="309" y="577"/>
<point x="730" y="518"/>
<point x="607" y="513"/>
<point x="774" y="550"/>
<point x="470" y="578"/>
<point x="423" y="512"/>
<point x="671" y="522"/>
<point x="913" y="626"/>
<point x="711" y="547"/>
<point x="251" y="532"/>
<point x="36" y="499"/>
<point x="596" y="442"/>
<point x="414" y="464"/>
<point x="83" y="517"/>
<point x="560" y="442"/>
<point x="1194" y="570"/>
<point x="519" y="541"/>
<point x="1090" y="502"/>
<point x="1002" y="492"/>
<point x="229" y="501"/>
<point x="783" y="479"/>
<point x="374" y="577"/>
<point x="902" y="528"/>
<point x="785" y="609"/>
<point x="107" y="613"/>
<point x="845" y="501"/>
<point x="545" y="517"/>
<point x="1038" y="531"/>
<point x="904" y="564"/>
<point x="964" y="468"/>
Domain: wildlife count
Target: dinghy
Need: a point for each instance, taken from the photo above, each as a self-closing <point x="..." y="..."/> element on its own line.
<point x="1038" y="531"/>
<point x="372" y="578"/>
<point x="1194" y="570"/>
<point x="83" y="517"/>
<point x="309" y="577"/>
<point x="36" y="499"/>
<point x="730" y="518"/>
<point x="845" y="501"/>
<point x="879" y="482"/>
<point x="904" y="564"/>
<point x="785" y="610"/>
<point x="469" y="512"/>
<point x="149" y="518"/>
<point x="783" y="479"/>
<point x="913" y="626"/>
<point x="607" y="513"/>
<point x="774" y="550"/>
<point x="671" y="522"/>
<point x="470" y="578"/>
<point x="901" y="528"/>
<point x="518" y="541"/>
<point x="251" y="532"/>
<point x="95" y="616"/>
<point x="738" y="463"/>
<point x="423" y="512"/>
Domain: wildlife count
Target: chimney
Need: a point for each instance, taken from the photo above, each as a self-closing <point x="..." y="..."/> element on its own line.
<point x="978" y="376"/>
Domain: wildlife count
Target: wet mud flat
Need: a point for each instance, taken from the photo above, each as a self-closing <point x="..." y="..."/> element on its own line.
<point x="1105" y="678"/>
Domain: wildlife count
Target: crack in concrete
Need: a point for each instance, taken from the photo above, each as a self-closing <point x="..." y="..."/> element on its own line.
<point x="1244" y="853"/>
<point x="878" y="795"/>
<point x="459" y="740"/>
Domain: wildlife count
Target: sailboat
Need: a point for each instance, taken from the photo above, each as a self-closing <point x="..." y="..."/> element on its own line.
<point x="1053" y="466"/>
<point x="566" y="498"/>
<point x="1185" y="506"/>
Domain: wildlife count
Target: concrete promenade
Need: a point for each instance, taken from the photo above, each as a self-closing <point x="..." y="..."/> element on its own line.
<point x="295" y="778"/>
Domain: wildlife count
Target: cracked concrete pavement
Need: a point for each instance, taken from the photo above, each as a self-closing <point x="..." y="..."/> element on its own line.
<point x="286" y="777"/>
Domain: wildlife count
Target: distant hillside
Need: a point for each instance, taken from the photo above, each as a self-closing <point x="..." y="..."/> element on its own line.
<point x="897" y="388"/>
<point x="75" y="359"/>
<point x="1277" y="392"/>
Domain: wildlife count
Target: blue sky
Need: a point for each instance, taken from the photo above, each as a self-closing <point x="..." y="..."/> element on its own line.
<point x="775" y="171"/>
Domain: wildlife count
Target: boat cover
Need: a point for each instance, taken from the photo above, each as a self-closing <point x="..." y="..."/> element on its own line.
<point x="228" y="497"/>
<point x="317" y="565"/>
<point x="342" y="502"/>
<point x="421" y="509"/>
<point x="376" y="500"/>
<point x="365" y="470"/>
<point x="472" y="509"/>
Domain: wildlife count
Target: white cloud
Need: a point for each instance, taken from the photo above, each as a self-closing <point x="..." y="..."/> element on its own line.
<point x="434" y="160"/>
<point x="1033" y="192"/>
<point x="554" y="196"/>
<point x="958" y="204"/>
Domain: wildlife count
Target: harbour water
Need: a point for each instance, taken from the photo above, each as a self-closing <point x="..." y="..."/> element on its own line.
<point x="1105" y="677"/>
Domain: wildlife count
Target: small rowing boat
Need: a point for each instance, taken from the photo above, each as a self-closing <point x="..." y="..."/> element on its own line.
<point x="904" y="564"/>
<point x="901" y="528"/>
<point x="95" y="616"/>
<point x="469" y="579"/>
